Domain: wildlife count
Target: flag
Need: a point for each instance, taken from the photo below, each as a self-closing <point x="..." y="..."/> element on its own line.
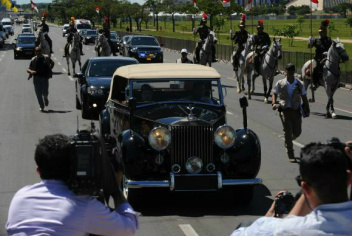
<point x="226" y="3"/>
<point x="14" y="9"/>
<point x="314" y="4"/>
<point x="97" y="9"/>
<point x="249" y="5"/>
<point x="194" y="2"/>
<point x="34" y="7"/>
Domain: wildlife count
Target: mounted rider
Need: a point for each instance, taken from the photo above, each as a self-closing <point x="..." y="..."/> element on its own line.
<point x="71" y="31"/>
<point x="203" y="30"/>
<point x="240" y="38"/>
<point x="322" y="45"/>
<point x="106" y="32"/>
<point x="261" y="44"/>
<point x="45" y="30"/>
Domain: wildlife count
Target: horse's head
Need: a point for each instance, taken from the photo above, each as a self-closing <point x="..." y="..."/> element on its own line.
<point x="337" y="52"/>
<point x="277" y="48"/>
<point x="250" y="41"/>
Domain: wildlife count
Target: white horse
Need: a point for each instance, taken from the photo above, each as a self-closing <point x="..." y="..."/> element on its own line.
<point x="267" y="68"/>
<point x="74" y="53"/>
<point x="239" y="74"/>
<point x="42" y="43"/>
<point x="103" y="46"/>
<point x="331" y="73"/>
<point x="206" y="52"/>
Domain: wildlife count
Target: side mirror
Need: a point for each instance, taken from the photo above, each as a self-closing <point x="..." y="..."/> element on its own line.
<point x="81" y="78"/>
<point x="224" y="91"/>
<point x="161" y="45"/>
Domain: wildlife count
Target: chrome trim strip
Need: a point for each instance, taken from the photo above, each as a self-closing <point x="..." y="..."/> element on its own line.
<point x="171" y="183"/>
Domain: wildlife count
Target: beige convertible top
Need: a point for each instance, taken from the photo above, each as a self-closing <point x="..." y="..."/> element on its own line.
<point x="166" y="71"/>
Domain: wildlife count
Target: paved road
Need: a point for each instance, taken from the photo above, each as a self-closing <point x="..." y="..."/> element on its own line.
<point x="190" y="214"/>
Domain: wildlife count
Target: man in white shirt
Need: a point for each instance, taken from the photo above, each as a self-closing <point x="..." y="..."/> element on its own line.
<point x="50" y="208"/>
<point x="290" y="91"/>
<point x="323" y="208"/>
<point x="184" y="58"/>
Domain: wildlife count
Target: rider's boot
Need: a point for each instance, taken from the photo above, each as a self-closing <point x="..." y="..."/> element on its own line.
<point x="214" y="52"/>
<point x="48" y="39"/>
<point x="65" y="50"/>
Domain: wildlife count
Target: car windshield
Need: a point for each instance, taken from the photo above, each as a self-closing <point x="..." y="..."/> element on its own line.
<point x="83" y="26"/>
<point x="144" y="41"/>
<point x="106" y="68"/>
<point x="92" y="32"/>
<point x="26" y="40"/>
<point x="66" y="27"/>
<point x="112" y="36"/>
<point x="26" y="30"/>
<point x="184" y="91"/>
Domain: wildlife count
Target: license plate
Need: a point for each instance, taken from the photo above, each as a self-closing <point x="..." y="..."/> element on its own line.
<point x="149" y="59"/>
<point x="151" y="55"/>
<point x="28" y="53"/>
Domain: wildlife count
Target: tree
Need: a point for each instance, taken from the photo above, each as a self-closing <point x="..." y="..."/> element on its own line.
<point x="291" y="10"/>
<point x="348" y="22"/>
<point x="288" y="31"/>
<point x="300" y="20"/>
<point x="331" y="27"/>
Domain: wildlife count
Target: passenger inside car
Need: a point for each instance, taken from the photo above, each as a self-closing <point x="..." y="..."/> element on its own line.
<point x="146" y="93"/>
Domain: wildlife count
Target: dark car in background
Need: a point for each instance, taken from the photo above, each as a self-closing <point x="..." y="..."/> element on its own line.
<point x="89" y="36"/>
<point x="122" y="43"/>
<point x="93" y="84"/>
<point x="9" y="29"/>
<point x="168" y="128"/>
<point x="145" y="49"/>
<point x="114" y="37"/>
<point x="24" y="46"/>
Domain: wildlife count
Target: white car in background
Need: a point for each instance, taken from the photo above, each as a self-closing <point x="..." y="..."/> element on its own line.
<point x="64" y="29"/>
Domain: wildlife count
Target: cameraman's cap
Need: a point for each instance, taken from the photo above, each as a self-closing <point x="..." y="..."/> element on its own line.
<point x="290" y="67"/>
<point x="184" y="51"/>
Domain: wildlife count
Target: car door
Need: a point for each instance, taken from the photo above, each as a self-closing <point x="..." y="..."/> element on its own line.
<point x="82" y="82"/>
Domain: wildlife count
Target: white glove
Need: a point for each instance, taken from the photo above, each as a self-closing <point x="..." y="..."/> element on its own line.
<point x="194" y="31"/>
<point x="265" y="47"/>
<point x="310" y="40"/>
<point x="231" y="32"/>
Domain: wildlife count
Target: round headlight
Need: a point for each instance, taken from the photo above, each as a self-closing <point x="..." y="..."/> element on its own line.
<point x="225" y="136"/>
<point x="159" y="138"/>
<point x="194" y="165"/>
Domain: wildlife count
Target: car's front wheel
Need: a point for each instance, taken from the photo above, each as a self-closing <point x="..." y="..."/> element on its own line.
<point x="78" y="104"/>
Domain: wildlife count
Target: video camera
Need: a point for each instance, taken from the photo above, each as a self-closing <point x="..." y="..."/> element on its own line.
<point x="284" y="203"/>
<point x="91" y="171"/>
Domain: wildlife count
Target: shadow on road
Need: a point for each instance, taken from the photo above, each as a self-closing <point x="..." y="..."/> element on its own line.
<point x="57" y="73"/>
<point x="161" y="202"/>
<point x="338" y="117"/>
<point x="53" y="111"/>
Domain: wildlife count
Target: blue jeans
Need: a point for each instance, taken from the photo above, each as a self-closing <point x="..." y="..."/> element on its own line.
<point x="41" y="87"/>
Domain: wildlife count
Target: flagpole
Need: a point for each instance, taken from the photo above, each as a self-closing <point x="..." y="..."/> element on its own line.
<point x="311" y="34"/>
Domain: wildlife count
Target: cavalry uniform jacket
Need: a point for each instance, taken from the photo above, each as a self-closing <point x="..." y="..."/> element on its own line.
<point x="240" y="37"/>
<point x="322" y="44"/>
<point x="203" y="31"/>
<point x="106" y="33"/>
<point x="45" y="27"/>
<point x="290" y="97"/>
<point x="261" y="40"/>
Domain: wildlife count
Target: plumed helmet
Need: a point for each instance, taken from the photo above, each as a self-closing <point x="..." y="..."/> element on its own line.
<point x="243" y="20"/>
<point x="324" y="25"/>
<point x="205" y="17"/>
<point x="260" y="24"/>
<point x="72" y="20"/>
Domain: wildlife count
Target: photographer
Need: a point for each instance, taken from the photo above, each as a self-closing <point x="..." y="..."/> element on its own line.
<point x="50" y="208"/>
<point x="323" y="208"/>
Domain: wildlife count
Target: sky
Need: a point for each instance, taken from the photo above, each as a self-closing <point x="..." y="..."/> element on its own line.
<point x="20" y="2"/>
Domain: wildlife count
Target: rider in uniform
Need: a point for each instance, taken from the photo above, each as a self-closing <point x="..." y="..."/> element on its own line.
<point x="322" y="45"/>
<point x="240" y="38"/>
<point x="261" y="45"/>
<point x="203" y="31"/>
<point x="45" y="29"/>
<point x="70" y="31"/>
<point x="106" y="33"/>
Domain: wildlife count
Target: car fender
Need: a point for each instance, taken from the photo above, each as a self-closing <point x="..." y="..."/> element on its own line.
<point x="104" y="121"/>
<point x="132" y="145"/>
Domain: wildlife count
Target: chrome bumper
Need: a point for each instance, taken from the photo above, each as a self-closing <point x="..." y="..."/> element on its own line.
<point x="171" y="183"/>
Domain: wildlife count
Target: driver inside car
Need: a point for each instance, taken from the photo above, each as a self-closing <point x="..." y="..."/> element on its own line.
<point x="201" y="93"/>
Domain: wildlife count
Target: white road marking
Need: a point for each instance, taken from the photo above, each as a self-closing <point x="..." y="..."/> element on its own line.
<point x="59" y="63"/>
<point x="230" y="113"/>
<point x="188" y="230"/>
<point x="300" y="145"/>
<point x="64" y="70"/>
<point x="229" y="78"/>
<point x="55" y="58"/>
<point x="70" y="77"/>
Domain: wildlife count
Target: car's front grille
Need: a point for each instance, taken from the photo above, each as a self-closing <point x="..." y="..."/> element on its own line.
<point x="191" y="141"/>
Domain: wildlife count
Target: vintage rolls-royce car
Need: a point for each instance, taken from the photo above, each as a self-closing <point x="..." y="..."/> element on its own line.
<point x="169" y="129"/>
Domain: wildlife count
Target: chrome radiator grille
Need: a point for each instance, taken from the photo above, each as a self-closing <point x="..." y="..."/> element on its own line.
<point x="189" y="141"/>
